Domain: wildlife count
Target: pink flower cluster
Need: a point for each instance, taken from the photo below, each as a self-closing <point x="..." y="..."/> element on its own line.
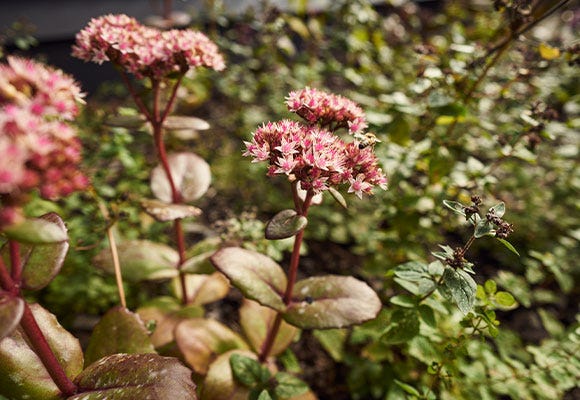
<point x="315" y="157"/>
<point x="145" y="51"/>
<point x="39" y="148"/>
<point x="327" y="110"/>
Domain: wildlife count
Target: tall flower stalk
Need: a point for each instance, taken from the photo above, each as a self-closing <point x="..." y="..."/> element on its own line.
<point x="161" y="57"/>
<point x="315" y="159"/>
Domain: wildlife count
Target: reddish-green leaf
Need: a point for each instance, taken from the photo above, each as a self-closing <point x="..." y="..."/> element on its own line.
<point x="331" y="302"/>
<point x="49" y="228"/>
<point x="141" y="260"/>
<point x="119" y="331"/>
<point x="258" y="277"/>
<point x="166" y="313"/>
<point x="257" y="320"/>
<point x="203" y="288"/>
<point x="202" y="340"/>
<point x="22" y="374"/>
<point x="219" y="382"/>
<point x="11" y="309"/>
<point x="135" y="376"/>
<point x="285" y="224"/>
<point x="190" y="173"/>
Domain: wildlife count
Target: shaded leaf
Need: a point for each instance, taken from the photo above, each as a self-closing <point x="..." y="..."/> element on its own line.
<point x="11" y="309"/>
<point x="190" y="173"/>
<point x="404" y="300"/>
<point x="333" y="341"/>
<point x="119" y="331"/>
<point x="168" y="212"/>
<point x="285" y="224"/>
<point x="338" y="197"/>
<point x="125" y="121"/>
<point x="141" y="260"/>
<point x="135" y="376"/>
<point x="403" y="327"/>
<point x="483" y="228"/>
<point x="459" y="287"/>
<point x="248" y="371"/>
<point x="331" y="302"/>
<point x="219" y="382"/>
<point x="167" y="313"/>
<point x="427" y="315"/>
<point x="203" y="288"/>
<point x="258" y="277"/>
<point x="509" y="246"/>
<point x="288" y="386"/>
<point x="22" y="374"/>
<point x="202" y="340"/>
<point x="256" y="321"/>
<point x="48" y="228"/>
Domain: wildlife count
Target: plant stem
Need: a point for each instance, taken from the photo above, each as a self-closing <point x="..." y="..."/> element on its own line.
<point x="6" y="281"/>
<point x="292" y="274"/>
<point x="117" y="265"/>
<point x="42" y="349"/>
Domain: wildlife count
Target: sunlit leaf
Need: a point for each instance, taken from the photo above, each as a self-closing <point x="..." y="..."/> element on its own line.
<point x="202" y="340"/>
<point x="259" y="277"/>
<point x="203" y="288"/>
<point x="118" y="331"/>
<point x="256" y="321"/>
<point x="288" y="386"/>
<point x="498" y="209"/>
<point x="483" y="228"/>
<point x="248" y="371"/>
<point x="48" y="228"/>
<point x="168" y="212"/>
<point x="333" y="341"/>
<point x="548" y="52"/>
<point x="338" y="197"/>
<point x="285" y="224"/>
<point x="219" y="382"/>
<point x="135" y="376"/>
<point x="455" y="206"/>
<point x="404" y="325"/>
<point x="331" y="302"/>
<point x="141" y="260"/>
<point x="190" y="173"/>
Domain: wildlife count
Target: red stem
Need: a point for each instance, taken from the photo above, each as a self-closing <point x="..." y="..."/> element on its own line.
<point x="45" y="353"/>
<point x="292" y="274"/>
<point x="140" y="105"/>
<point x="6" y="281"/>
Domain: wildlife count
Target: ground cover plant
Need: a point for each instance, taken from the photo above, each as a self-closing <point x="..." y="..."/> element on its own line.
<point x="415" y="237"/>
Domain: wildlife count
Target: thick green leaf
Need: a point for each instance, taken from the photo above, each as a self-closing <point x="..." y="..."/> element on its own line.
<point x="285" y="224"/>
<point x="483" y="228"/>
<point x="258" y="277"/>
<point x="11" y="309"/>
<point x="256" y="321"/>
<point x="48" y="228"/>
<point x="22" y="374"/>
<point x="135" y="376"/>
<point x="505" y="299"/>
<point x="455" y="206"/>
<point x="166" y="312"/>
<point x="427" y="315"/>
<point x="459" y="287"/>
<point x="141" y="260"/>
<point x="403" y="327"/>
<point x="163" y="212"/>
<point x="219" y="382"/>
<point x="202" y="340"/>
<point x="288" y="386"/>
<point x="333" y="341"/>
<point x="119" y="331"/>
<point x="203" y="288"/>
<point x="190" y="173"/>
<point x="331" y="302"/>
<point x="248" y="371"/>
<point x="404" y="300"/>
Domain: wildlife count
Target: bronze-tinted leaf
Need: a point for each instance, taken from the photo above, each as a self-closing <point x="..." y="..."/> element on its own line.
<point x="259" y="277"/>
<point x="190" y="173"/>
<point x="49" y="228"/>
<point x="11" y="309"/>
<point x="285" y="224"/>
<point x="256" y="321"/>
<point x="163" y="212"/>
<point x="203" y="288"/>
<point x="22" y="374"/>
<point x="135" y="376"/>
<point x="202" y="340"/>
<point x="331" y="302"/>
<point x="119" y="331"/>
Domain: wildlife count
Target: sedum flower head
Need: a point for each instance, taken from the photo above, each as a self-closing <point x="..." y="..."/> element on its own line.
<point x="315" y="157"/>
<point x="39" y="148"/>
<point x="145" y="51"/>
<point x="327" y="110"/>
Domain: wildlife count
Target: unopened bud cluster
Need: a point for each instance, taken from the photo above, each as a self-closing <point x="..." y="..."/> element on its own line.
<point x="39" y="147"/>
